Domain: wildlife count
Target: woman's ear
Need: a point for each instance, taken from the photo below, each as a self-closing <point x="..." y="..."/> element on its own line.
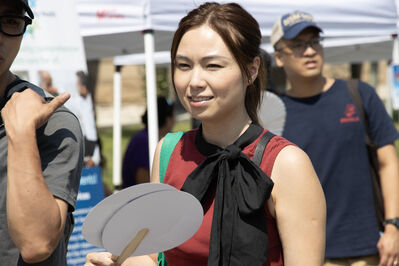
<point x="254" y="69"/>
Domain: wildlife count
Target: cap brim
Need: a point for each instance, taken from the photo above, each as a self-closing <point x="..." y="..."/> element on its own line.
<point x="295" y="30"/>
<point x="28" y="10"/>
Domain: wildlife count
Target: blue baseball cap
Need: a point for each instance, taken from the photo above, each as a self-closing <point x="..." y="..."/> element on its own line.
<point x="25" y="3"/>
<point x="288" y="26"/>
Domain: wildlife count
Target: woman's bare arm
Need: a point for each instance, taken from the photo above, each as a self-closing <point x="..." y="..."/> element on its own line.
<point x="300" y="208"/>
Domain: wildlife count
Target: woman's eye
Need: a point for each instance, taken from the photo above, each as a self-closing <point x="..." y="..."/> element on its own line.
<point x="183" y="66"/>
<point x="214" y="66"/>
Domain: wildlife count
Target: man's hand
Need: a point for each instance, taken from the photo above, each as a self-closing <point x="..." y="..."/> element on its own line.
<point x="388" y="246"/>
<point x="27" y="110"/>
<point x="89" y="162"/>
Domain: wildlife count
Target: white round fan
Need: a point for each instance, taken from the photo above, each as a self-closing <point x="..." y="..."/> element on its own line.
<point x="143" y="219"/>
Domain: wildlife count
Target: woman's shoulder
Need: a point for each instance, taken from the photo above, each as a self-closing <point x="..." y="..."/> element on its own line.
<point x="277" y="143"/>
<point x="274" y="147"/>
<point x="290" y="162"/>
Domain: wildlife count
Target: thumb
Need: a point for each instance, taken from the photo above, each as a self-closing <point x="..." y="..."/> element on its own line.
<point x="58" y="101"/>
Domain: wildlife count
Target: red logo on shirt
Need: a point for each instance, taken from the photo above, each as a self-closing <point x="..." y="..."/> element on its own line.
<point x="350" y="111"/>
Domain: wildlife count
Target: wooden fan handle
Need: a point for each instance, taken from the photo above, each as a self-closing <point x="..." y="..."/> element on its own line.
<point x="131" y="247"/>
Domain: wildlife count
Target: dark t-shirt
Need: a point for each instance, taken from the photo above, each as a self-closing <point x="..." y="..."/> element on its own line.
<point x="60" y="144"/>
<point x="136" y="156"/>
<point x="328" y="127"/>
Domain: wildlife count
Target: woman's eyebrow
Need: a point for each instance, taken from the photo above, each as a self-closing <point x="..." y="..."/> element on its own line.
<point x="203" y="59"/>
<point x="182" y="57"/>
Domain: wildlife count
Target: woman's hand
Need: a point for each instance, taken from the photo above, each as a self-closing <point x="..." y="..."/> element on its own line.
<point x="105" y="259"/>
<point x="100" y="259"/>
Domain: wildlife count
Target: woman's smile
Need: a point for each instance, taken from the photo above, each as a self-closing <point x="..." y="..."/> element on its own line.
<point x="199" y="101"/>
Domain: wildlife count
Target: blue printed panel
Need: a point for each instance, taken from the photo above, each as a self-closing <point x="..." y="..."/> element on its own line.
<point x="395" y="86"/>
<point x="91" y="192"/>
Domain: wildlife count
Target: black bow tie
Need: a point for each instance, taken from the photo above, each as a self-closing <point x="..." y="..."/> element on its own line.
<point x="238" y="234"/>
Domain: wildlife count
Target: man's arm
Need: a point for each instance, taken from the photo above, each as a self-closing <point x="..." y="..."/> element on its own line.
<point x="35" y="218"/>
<point x="388" y="245"/>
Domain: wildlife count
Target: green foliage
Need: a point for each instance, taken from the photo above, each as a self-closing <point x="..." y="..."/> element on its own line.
<point x="162" y="81"/>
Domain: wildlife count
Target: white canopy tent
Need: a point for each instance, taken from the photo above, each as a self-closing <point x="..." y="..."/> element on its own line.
<point x="114" y="27"/>
<point x="360" y="29"/>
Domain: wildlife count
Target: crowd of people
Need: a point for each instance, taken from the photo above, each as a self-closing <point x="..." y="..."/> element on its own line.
<point x="302" y="198"/>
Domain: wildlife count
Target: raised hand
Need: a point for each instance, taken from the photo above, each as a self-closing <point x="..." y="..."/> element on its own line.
<point x="28" y="111"/>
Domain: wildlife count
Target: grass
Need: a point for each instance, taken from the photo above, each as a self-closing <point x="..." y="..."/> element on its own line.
<point x="105" y="135"/>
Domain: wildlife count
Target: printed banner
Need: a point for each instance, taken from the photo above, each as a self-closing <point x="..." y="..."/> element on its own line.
<point x="395" y="86"/>
<point x="91" y="192"/>
<point x="52" y="50"/>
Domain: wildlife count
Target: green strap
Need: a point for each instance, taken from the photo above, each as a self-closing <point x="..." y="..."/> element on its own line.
<point x="169" y="143"/>
<point x="161" y="260"/>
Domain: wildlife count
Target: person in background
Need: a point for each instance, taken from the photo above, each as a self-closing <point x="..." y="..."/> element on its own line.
<point x="272" y="213"/>
<point x="46" y="82"/>
<point x="85" y="114"/>
<point x="322" y="120"/>
<point x="84" y="109"/>
<point x="136" y="165"/>
<point x="41" y="158"/>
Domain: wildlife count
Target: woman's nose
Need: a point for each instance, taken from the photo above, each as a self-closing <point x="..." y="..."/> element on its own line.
<point x="197" y="80"/>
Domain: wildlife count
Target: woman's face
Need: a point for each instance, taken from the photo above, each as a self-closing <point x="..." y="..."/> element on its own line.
<point x="208" y="80"/>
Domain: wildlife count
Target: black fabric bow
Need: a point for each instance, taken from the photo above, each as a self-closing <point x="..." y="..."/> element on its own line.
<point x="238" y="234"/>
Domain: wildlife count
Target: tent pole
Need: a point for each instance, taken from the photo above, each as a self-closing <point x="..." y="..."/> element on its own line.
<point x="395" y="50"/>
<point x="152" y="108"/>
<point x="117" y="132"/>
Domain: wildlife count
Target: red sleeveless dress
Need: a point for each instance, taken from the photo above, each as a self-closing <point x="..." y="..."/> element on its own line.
<point x="185" y="158"/>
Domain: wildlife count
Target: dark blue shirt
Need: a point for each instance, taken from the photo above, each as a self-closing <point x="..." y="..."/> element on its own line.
<point x="136" y="156"/>
<point x="328" y="128"/>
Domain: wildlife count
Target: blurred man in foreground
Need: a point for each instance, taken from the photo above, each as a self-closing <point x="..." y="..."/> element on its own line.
<point x="41" y="151"/>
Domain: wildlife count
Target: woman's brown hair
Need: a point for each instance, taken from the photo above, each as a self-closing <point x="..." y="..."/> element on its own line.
<point x="240" y="32"/>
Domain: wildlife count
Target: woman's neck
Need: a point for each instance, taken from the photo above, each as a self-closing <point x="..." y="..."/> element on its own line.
<point x="225" y="132"/>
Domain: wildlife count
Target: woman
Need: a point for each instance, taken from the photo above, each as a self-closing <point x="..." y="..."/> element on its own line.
<point x="218" y="76"/>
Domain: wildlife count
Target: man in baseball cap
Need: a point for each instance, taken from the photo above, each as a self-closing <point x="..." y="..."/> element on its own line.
<point x="321" y="118"/>
<point x="41" y="157"/>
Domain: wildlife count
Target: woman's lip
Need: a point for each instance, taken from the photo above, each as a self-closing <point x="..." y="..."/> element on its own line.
<point x="199" y="98"/>
<point x="196" y="103"/>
